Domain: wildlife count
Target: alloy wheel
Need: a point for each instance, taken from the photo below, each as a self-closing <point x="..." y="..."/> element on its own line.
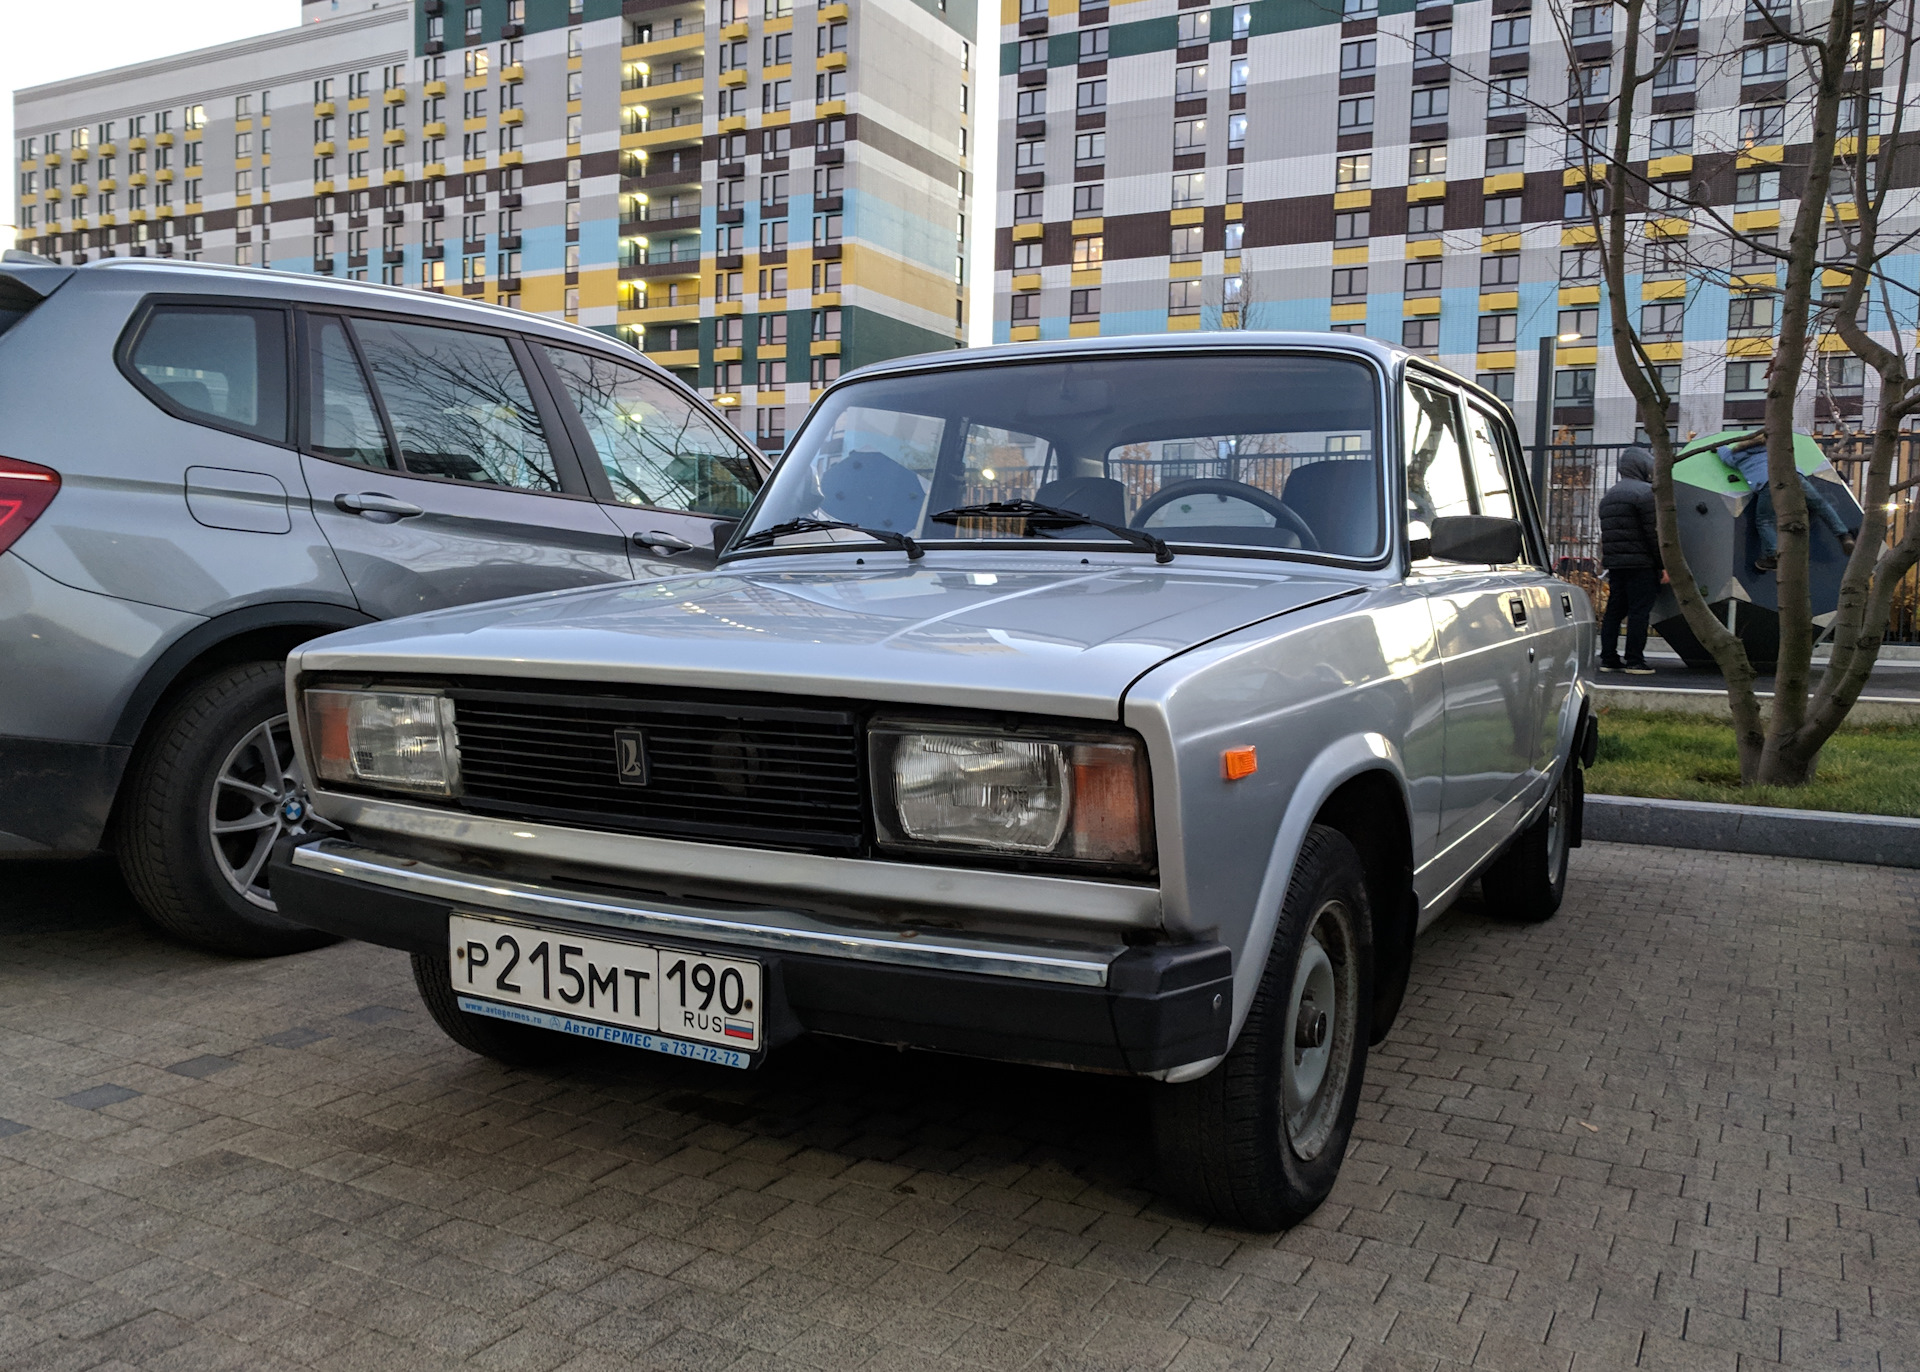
<point x="257" y="798"/>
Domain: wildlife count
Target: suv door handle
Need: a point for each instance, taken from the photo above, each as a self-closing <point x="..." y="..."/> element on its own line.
<point x="372" y="502"/>
<point x="662" y="543"/>
<point x="1518" y="609"/>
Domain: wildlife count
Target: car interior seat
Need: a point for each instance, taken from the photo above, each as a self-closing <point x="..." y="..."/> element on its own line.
<point x="1339" y="500"/>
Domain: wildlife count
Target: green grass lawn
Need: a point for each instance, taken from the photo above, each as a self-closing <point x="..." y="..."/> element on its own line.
<point x="1871" y="769"/>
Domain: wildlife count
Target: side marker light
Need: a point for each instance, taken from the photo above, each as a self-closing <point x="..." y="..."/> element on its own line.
<point x="1238" y="762"/>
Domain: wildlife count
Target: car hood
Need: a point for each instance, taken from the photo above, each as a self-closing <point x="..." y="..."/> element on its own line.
<point x="1059" y="639"/>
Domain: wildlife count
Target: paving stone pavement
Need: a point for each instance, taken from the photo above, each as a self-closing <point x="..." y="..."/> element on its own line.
<point x="1672" y="1128"/>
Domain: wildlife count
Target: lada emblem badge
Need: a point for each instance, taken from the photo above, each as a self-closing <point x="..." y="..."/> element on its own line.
<point x="630" y="757"/>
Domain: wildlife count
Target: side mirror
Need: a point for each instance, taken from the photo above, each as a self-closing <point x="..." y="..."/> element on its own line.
<point x="722" y="531"/>
<point x="1475" y="538"/>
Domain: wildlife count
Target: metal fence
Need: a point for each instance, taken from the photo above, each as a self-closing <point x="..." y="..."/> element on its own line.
<point x="1578" y="475"/>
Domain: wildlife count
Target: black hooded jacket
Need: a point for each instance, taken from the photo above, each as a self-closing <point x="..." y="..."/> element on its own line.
<point x="1629" y="534"/>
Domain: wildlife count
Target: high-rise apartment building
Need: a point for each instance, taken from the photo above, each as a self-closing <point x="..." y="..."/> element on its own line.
<point x="756" y="192"/>
<point x="1405" y="171"/>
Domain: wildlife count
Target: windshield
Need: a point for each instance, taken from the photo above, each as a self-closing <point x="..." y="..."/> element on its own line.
<point x="1260" y="451"/>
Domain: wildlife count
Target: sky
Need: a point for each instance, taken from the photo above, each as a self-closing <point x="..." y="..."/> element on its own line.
<point x="49" y="42"/>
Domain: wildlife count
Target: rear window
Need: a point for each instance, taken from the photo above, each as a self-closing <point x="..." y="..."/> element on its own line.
<point x="216" y="364"/>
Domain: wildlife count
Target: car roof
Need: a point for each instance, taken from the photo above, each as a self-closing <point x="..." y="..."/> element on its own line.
<point x="1138" y="345"/>
<point x="219" y="278"/>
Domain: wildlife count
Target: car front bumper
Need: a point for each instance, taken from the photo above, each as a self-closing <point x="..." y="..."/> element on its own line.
<point x="1120" y="1008"/>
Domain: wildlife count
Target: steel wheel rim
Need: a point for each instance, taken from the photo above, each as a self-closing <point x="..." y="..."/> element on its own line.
<point x="1557" y="821"/>
<point x="1319" y="1031"/>
<point x="257" y="797"/>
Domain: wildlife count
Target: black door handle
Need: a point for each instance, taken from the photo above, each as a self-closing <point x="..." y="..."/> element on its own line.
<point x="1518" y="609"/>
<point x="373" y="503"/>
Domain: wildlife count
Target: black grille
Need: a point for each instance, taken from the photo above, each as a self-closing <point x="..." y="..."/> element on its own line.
<point x="740" y="772"/>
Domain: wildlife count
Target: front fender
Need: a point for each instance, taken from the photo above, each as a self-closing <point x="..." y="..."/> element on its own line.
<point x="1337" y="763"/>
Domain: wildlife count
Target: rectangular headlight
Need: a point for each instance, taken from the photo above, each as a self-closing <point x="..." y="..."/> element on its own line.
<point x="1016" y="794"/>
<point x="386" y="740"/>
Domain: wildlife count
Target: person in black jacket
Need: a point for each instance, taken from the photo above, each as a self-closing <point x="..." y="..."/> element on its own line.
<point x="1630" y="552"/>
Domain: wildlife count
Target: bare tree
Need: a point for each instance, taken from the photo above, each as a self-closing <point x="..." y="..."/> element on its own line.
<point x="1840" y="48"/>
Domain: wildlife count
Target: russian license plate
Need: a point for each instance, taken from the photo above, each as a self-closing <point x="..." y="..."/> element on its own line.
<point x="664" y="999"/>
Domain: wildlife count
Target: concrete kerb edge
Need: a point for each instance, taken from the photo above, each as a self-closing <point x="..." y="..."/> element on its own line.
<point x="1877" y="840"/>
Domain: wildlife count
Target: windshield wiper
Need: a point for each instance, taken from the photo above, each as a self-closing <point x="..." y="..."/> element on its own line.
<point x="806" y="524"/>
<point x="1040" y="516"/>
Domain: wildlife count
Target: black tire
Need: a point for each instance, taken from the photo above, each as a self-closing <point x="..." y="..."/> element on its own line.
<point x="517" y="1045"/>
<point x="176" y="865"/>
<point x="1229" y="1144"/>
<point x="1526" y="883"/>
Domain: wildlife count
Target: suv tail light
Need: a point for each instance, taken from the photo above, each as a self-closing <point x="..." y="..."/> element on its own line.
<point x="26" y="489"/>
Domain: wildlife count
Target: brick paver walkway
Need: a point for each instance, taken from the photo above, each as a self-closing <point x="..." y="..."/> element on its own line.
<point x="1675" y="1127"/>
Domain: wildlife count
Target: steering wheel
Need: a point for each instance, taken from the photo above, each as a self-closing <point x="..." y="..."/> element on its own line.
<point x="1232" y="490"/>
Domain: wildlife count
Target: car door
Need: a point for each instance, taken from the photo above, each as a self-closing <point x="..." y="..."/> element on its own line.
<point x="672" y="474"/>
<point x="441" y="476"/>
<point x="1552" y="636"/>
<point x="1479" y="618"/>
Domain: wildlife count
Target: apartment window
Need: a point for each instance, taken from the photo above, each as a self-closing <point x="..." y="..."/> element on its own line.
<point x="831" y="38"/>
<point x="1499" y="383"/>
<point x="1501" y="212"/>
<point x="1358" y="58"/>
<point x="1425" y="220"/>
<point x="1242" y="21"/>
<point x="1432" y="45"/>
<point x="771" y="373"/>
<point x="1033" y="53"/>
<point x="1500" y="272"/>
<point x="831" y="85"/>
<point x="773" y="283"/>
<point x="1187" y="242"/>
<point x="1359" y="9"/>
<point x="1421" y="278"/>
<point x="1033" y="9"/>
<point x="1583" y="323"/>
<point x="473" y="20"/>
<point x="729" y="240"/>
<point x="825" y="371"/>
<point x="1756" y="187"/>
<point x="1850" y="120"/>
<point x="1236" y="131"/>
<point x="1027" y="207"/>
<point x="1349" y="282"/>
<point x="1591" y="21"/>
<point x="1093" y="45"/>
<point x="774" y="187"/>
<point x="1031" y="103"/>
<point x="1843" y="375"/>
<point x="1507" y="95"/>
<point x="773" y="235"/>
<point x="1505" y="152"/>
<point x="1427" y="162"/>
<point x="1030" y="156"/>
<point x="1676" y="14"/>
<point x="1183" y="297"/>
<point x="1089" y="250"/>
<point x="1089" y="201"/>
<point x="1024" y="308"/>
<point x="770" y="421"/>
<point x="1668" y="137"/>
<point x="1349" y="225"/>
<point x="1090" y="97"/>
<point x="1196" y="26"/>
<point x="1677" y="73"/>
<point x="1084" y="304"/>
<point x="1356" y="113"/>
<point x="1764" y="62"/>
<point x="1355" y="169"/>
<point x="1593" y="81"/>
<point x="826" y="229"/>
<point x="1189" y="135"/>
<point x="1662" y="319"/>
<point x="1430" y="102"/>
<point x="776" y="95"/>
<point x="1237" y="76"/>
<point x="1584" y="145"/>
<point x="1189" y="189"/>
<point x="776" y="49"/>
<point x="242" y="147"/>
<point x="195" y="118"/>
<point x="1190" y="82"/>
<point x="1746" y="380"/>
<point x="1236" y="234"/>
<point x="1421" y="335"/>
<point x="1584" y="202"/>
<point x="1512" y="34"/>
<point x="1498" y="331"/>
<point x="1573" y="386"/>
<point x="1664" y="257"/>
<point x="1763" y="125"/>
<point x="1750" y="316"/>
<point x="1089" y="149"/>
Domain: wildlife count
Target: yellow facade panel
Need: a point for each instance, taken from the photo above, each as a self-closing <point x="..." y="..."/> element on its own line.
<point x="1579" y="295"/>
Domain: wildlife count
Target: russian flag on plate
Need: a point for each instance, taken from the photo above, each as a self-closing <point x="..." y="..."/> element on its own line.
<point x="738" y="1029"/>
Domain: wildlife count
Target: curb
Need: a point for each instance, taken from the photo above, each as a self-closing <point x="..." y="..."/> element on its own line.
<point x="1694" y="700"/>
<point x="1878" y="840"/>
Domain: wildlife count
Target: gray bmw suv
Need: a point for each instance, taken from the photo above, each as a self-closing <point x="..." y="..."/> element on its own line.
<point x="202" y="467"/>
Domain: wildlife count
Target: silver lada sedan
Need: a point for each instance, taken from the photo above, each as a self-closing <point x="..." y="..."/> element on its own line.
<point x="1125" y="705"/>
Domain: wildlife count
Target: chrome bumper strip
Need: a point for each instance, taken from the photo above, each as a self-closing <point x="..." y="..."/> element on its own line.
<point x="781" y="931"/>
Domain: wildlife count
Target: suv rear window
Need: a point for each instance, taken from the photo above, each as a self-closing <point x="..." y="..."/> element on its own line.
<point x="216" y="364"/>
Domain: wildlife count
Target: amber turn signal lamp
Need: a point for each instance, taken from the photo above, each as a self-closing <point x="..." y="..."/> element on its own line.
<point x="1239" y="762"/>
